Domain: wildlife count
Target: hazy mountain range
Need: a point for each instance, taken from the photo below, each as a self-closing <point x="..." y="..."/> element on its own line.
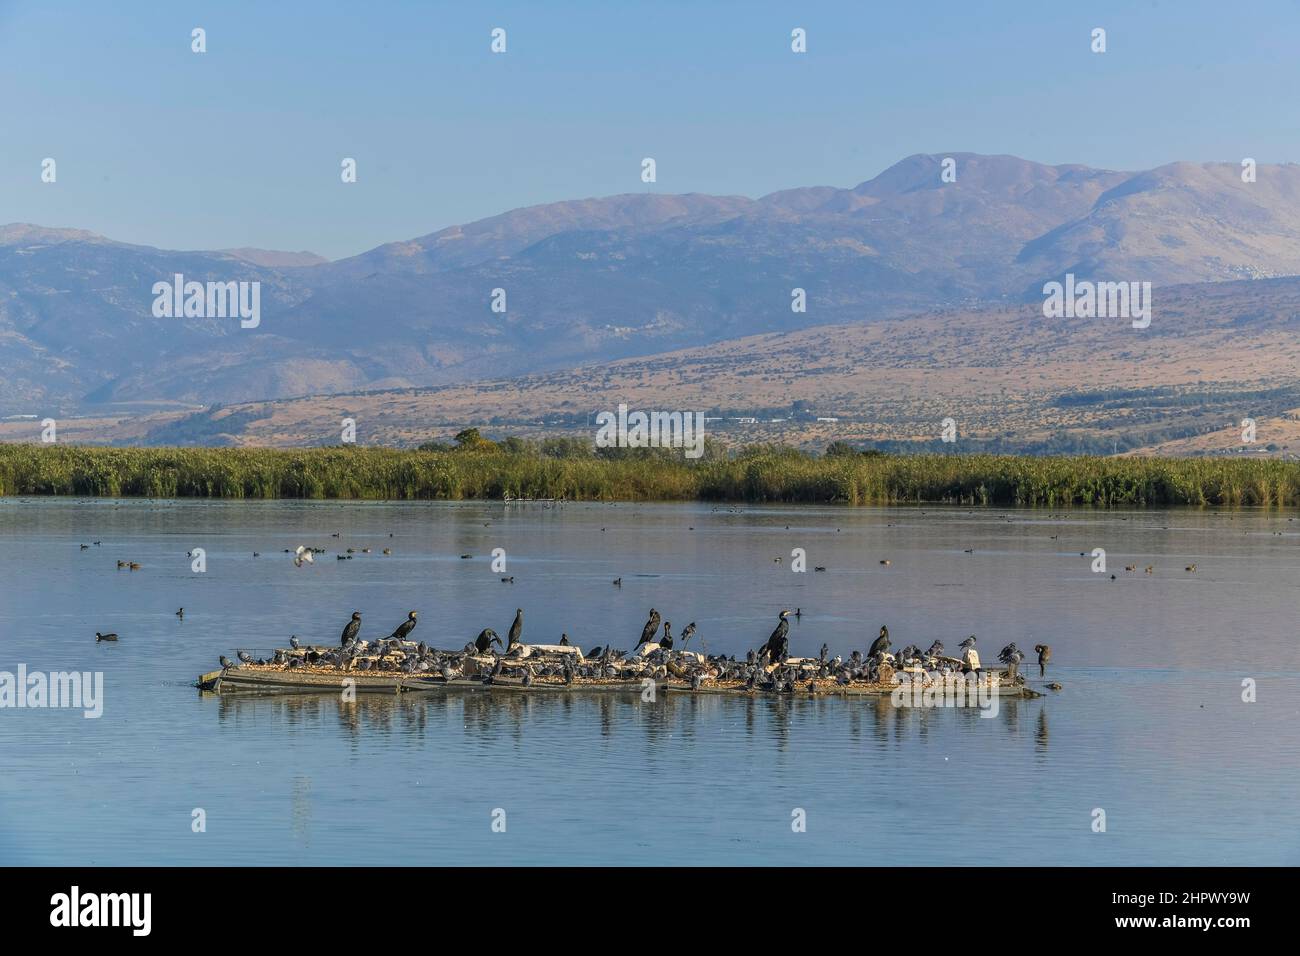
<point x="597" y="280"/>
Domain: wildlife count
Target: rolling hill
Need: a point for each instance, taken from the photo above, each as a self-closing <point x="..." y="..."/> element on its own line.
<point x="600" y="281"/>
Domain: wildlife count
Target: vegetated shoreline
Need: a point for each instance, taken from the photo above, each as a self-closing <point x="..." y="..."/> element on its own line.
<point x="490" y="471"/>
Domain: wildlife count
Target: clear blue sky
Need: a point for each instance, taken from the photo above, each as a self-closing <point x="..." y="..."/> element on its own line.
<point x="241" y="146"/>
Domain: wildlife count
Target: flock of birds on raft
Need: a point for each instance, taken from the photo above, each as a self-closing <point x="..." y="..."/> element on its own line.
<point x="654" y="655"/>
<point x="767" y="668"/>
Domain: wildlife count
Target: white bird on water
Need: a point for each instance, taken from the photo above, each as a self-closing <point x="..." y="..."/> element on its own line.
<point x="302" y="554"/>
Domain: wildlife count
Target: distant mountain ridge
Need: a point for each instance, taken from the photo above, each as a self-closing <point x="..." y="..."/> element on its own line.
<point x="599" y="280"/>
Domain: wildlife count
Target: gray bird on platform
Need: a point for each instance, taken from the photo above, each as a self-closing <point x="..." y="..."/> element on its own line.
<point x="1011" y="656"/>
<point x="687" y="632"/>
<point x="244" y="656"/>
<point x="294" y="642"/>
<point x="226" y="662"/>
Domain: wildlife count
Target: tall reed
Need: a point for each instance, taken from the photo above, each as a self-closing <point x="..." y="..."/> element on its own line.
<point x="759" y="474"/>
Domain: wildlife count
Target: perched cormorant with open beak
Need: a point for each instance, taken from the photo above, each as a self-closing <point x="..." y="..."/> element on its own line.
<point x="406" y="627"/>
<point x="1044" y="655"/>
<point x="650" y="630"/>
<point x="352" y="630"/>
<point x="516" y="629"/>
<point x="486" y="638"/>
<point x="777" y="647"/>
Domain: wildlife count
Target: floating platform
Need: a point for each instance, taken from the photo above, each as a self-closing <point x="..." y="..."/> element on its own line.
<point x="272" y="679"/>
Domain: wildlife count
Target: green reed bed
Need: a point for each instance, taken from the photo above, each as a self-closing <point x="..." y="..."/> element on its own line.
<point x="761" y="474"/>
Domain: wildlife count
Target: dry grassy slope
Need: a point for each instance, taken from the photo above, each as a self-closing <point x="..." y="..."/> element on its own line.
<point x="999" y="373"/>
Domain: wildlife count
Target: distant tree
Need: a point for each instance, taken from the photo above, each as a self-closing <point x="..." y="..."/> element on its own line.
<point x="840" y="449"/>
<point x="469" y="439"/>
<point x="433" y="446"/>
<point x="513" y="445"/>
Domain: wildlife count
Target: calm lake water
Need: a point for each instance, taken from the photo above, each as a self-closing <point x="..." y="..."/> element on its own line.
<point x="1150" y="725"/>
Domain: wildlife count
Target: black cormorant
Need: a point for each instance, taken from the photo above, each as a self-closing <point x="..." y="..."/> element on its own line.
<point x="353" y="628"/>
<point x="516" y="629"/>
<point x="666" y="642"/>
<point x="777" y="646"/>
<point x="486" y="638"/>
<point x="104" y="637"/>
<point x="881" y="644"/>
<point x="406" y="627"/>
<point x="650" y="630"/>
<point x="1044" y="655"/>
